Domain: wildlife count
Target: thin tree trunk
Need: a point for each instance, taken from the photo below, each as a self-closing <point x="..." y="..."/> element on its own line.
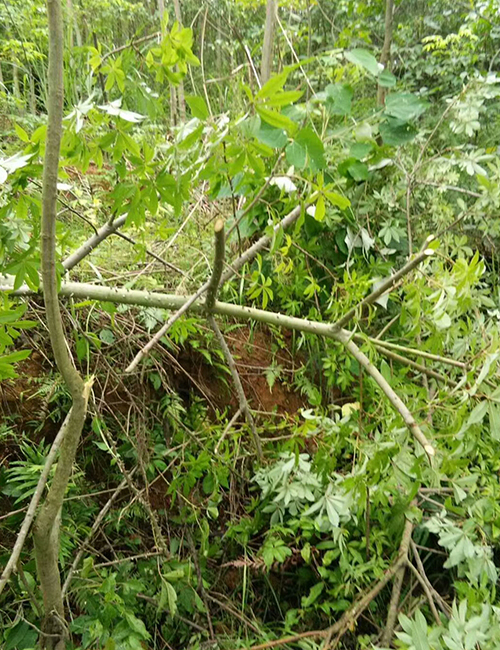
<point x="1" y="75"/>
<point x="180" y="88"/>
<point x="32" y="94"/>
<point x="16" y="90"/>
<point x="385" y="57"/>
<point x="47" y="527"/>
<point x="267" y="47"/>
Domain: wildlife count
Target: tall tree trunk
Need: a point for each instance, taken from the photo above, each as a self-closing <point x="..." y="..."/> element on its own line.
<point x="16" y="89"/>
<point x="267" y="47"/>
<point x="180" y="89"/>
<point x="32" y="93"/>
<point x="385" y="57"/>
<point x="47" y="527"/>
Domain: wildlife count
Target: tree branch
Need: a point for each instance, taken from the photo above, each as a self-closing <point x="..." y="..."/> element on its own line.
<point x="35" y="500"/>
<point x="219" y="254"/>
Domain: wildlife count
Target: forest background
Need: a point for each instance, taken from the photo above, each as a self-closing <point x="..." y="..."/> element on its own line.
<point x="249" y="329"/>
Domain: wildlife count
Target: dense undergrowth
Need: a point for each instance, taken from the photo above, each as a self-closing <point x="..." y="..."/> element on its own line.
<point x="175" y="534"/>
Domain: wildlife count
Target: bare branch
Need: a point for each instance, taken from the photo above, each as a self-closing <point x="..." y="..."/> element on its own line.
<point x="244" y="407"/>
<point x="87" y="247"/>
<point x="35" y="500"/>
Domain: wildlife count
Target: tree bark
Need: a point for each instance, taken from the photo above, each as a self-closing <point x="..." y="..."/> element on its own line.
<point x="181" y="102"/>
<point x="47" y="527"/>
<point x="385" y="57"/>
<point x="267" y="47"/>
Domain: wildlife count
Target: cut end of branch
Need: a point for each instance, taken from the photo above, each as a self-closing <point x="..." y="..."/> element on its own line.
<point x="219" y="225"/>
<point x="429" y="450"/>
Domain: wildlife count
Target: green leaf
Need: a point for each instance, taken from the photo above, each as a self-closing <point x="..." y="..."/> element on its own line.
<point x="337" y="199"/>
<point x="319" y="213"/>
<point x="21" y="133"/>
<point x="387" y="79"/>
<point x="405" y="106"/>
<point x="313" y="146"/>
<point x="285" y="98"/>
<point x="314" y="594"/>
<point x="358" y="171"/>
<point x="338" y="99"/>
<point x="198" y="106"/>
<point x="271" y="136"/>
<point x="276" y="119"/>
<point x="494" y="415"/>
<point x="365" y="59"/>
<point x="20" y="636"/>
<point x="274" y="85"/>
<point x="296" y="155"/>
<point x="396" y="132"/>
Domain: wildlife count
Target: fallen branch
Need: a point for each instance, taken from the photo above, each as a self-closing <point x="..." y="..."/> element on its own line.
<point x="243" y="402"/>
<point x="392" y="615"/>
<point x="183" y="303"/>
<point x="212" y="289"/>
<point x="248" y="255"/>
<point x="427" y="592"/>
<point x="345" y="338"/>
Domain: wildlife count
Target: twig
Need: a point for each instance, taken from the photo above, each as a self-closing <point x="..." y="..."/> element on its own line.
<point x="164" y="329"/>
<point x="213" y="286"/>
<point x="35" y="500"/>
<point x="421" y="368"/>
<point x="427" y="592"/>
<point x="201" y="588"/>
<point x="227" y="430"/>
<point x="244" y="407"/>
<point x="443" y="605"/>
<point x="152" y="254"/>
<point x="87" y="247"/>
<point x="352" y="614"/>
<point x="392" y="614"/>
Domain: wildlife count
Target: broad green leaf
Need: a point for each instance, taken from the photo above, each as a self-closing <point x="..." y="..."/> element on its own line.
<point x="271" y="136"/>
<point x="319" y="213"/>
<point x="358" y="171"/>
<point x="405" y="106"/>
<point x="365" y="59"/>
<point x="338" y="99"/>
<point x="21" y="133"/>
<point x="494" y="415"/>
<point x="396" y="132"/>
<point x="198" y="106"/>
<point x="285" y="98"/>
<point x="315" y="151"/>
<point x="337" y="199"/>
<point x="276" y="119"/>
<point x="314" y="594"/>
<point x="296" y="155"/>
<point x="274" y="85"/>
<point x="386" y="79"/>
